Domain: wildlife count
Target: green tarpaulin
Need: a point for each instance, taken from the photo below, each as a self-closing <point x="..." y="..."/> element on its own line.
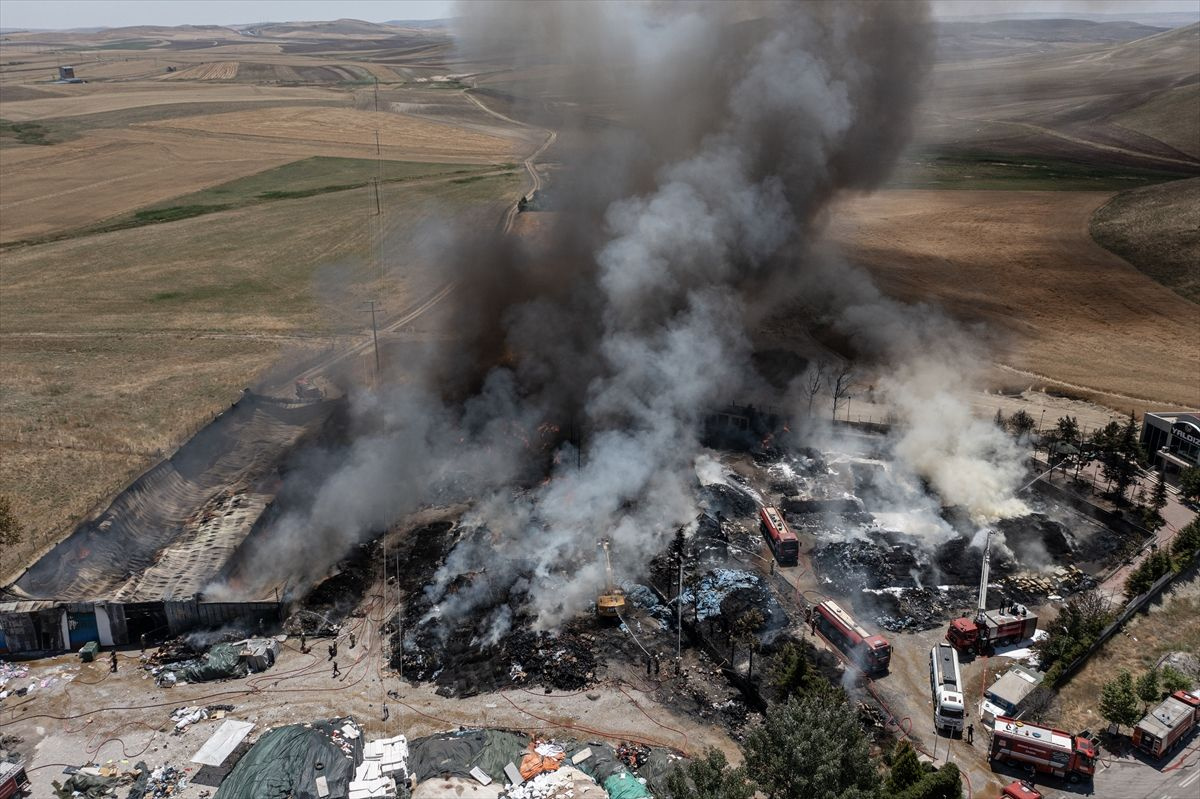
<point x="219" y="663"/>
<point x="286" y="762"/>
<point x="625" y="786"/>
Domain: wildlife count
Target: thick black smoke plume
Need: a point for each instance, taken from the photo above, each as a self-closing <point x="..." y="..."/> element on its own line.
<point x="693" y="210"/>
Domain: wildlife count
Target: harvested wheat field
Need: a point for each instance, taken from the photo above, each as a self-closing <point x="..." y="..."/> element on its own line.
<point x="109" y="172"/>
<point x="1068" y="313"/>
<point x="217" y="70"/>
<point x="117" y="345"/>
<point x="101" y="97"/>
<point x="416" y="138"/>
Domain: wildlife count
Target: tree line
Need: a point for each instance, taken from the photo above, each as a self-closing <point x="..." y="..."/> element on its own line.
<point x="812" y="743"/>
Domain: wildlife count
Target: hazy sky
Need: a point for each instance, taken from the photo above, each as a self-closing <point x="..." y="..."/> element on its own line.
<point x="120" y="13"/>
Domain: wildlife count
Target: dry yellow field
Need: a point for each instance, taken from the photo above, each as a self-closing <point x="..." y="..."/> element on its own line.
<point x="96" y="98"/>
<point x="108" y="172"/>
<point x="418" y="139"/>
<point x="117" y="345"/>
<point x="216" y="70"/>
<point x="1065" y="312"/>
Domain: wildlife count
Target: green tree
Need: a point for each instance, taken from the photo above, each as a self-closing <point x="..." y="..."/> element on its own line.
<point x="745" y="632"/>
<point x="10" y="528"/>
<point x="1119" y="702"/>
<point x="1158" y="499"/>
<point x="945" y="783"/>
<point x="1153" y="566"/>
<point x="1077" y="626"/>
<point x="1063" y="442"/>
<point x="906" y="769"/>
<point x="790" y="671"/>
<point x="710" y="777"/>
<point x="1020" y="424"/>
<point x="812" y="747"/>
<point x="1189" y="483"/>
<point x="1147" y="687"/>
<point x="1172" y="680"/>
<point x="1129" y="453"/>
<point x="1186" y="542"/>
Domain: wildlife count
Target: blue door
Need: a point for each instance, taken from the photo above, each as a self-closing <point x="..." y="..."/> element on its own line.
<point x="83" y="628"/>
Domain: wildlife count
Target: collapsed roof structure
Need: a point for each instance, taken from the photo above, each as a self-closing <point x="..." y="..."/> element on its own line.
<point x="140" y="566"/>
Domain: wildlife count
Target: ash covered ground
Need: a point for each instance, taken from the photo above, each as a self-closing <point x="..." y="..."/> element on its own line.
<point x="903" y="567"/>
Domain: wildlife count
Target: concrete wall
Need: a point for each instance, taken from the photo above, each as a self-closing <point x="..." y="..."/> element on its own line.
<point x="20" y="633"/>
<point x="21" y="628"/>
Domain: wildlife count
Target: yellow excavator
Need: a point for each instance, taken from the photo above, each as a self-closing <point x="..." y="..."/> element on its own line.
<point x="611" y="601"/>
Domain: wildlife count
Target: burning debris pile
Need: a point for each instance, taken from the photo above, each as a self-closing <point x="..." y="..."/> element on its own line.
<point x="730" y="593"/>
<point x="909" y="587"/>
<point x="325" y="608"/>
<point x="462" y="666"/>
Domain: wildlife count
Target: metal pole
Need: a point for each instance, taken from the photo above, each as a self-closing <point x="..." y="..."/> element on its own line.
<point x="679" y="612"/>
<point x="375" y="338"/>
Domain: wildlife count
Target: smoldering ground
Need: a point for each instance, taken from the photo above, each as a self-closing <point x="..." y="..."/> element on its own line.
<point x="683" y="223"/>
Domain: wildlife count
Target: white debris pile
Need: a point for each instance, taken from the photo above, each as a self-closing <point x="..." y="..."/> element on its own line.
<point x="184" y="717"/>
<point x="370" y="783"/>
<point x="565" y="783"/>
<point x="384" y="761"/>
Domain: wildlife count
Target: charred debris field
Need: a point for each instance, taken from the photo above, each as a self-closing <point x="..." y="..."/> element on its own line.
<point x="897" y="566"/>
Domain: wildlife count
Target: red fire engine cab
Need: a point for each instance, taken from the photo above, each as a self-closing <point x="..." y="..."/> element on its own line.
<point x="871" y="653"/>
<point x="780" y="538"/>
<point x="1047" y="750"/>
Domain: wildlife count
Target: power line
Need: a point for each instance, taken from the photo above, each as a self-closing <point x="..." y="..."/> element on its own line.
<point x="374" y="335"/>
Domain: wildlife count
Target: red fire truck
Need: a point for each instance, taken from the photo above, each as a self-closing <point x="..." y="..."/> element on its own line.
<point x="992" y="628"/>
<point x="871" y="653"/>
<point x="780" y="538"/>
<point x="1047" y="750"/>
<point x="1167" y="725"/>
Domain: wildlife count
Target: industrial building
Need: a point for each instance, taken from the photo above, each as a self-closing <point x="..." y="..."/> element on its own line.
<point x="1172" y="440"/>
<point x="141" y="567"/>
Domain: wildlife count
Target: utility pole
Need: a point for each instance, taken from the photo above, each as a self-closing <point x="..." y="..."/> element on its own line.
<point x="679" y="612"/>
<point x="375" y="336"/>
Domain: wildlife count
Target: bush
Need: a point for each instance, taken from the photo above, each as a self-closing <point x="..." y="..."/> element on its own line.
<point x="1187" y="542"/>
<point x="1155" y="565"/>
<point x="1172" y="679"/>
<point x="1189" y="484"/>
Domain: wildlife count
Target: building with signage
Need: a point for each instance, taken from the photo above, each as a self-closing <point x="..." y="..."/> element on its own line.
<point x="1172" y="440"/>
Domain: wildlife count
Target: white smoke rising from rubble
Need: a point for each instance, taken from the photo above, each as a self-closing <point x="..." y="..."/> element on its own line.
<point x="738" y="124"/>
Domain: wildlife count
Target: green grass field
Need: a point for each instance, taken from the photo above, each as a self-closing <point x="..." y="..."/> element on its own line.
<point x="62" y="129"/>
<point x="299" y="179"/>
<point x="978" y="170"/>
<point x="25" y="133"/>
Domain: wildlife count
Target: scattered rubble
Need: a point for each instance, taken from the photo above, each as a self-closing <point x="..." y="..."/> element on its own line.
<point x="185" y="717"/>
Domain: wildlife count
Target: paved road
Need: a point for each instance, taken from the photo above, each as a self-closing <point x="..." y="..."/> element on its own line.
<point x="1131" y="778"/>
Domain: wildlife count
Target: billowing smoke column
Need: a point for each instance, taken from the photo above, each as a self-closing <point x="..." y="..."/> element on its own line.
<point x="736" y="124"/>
